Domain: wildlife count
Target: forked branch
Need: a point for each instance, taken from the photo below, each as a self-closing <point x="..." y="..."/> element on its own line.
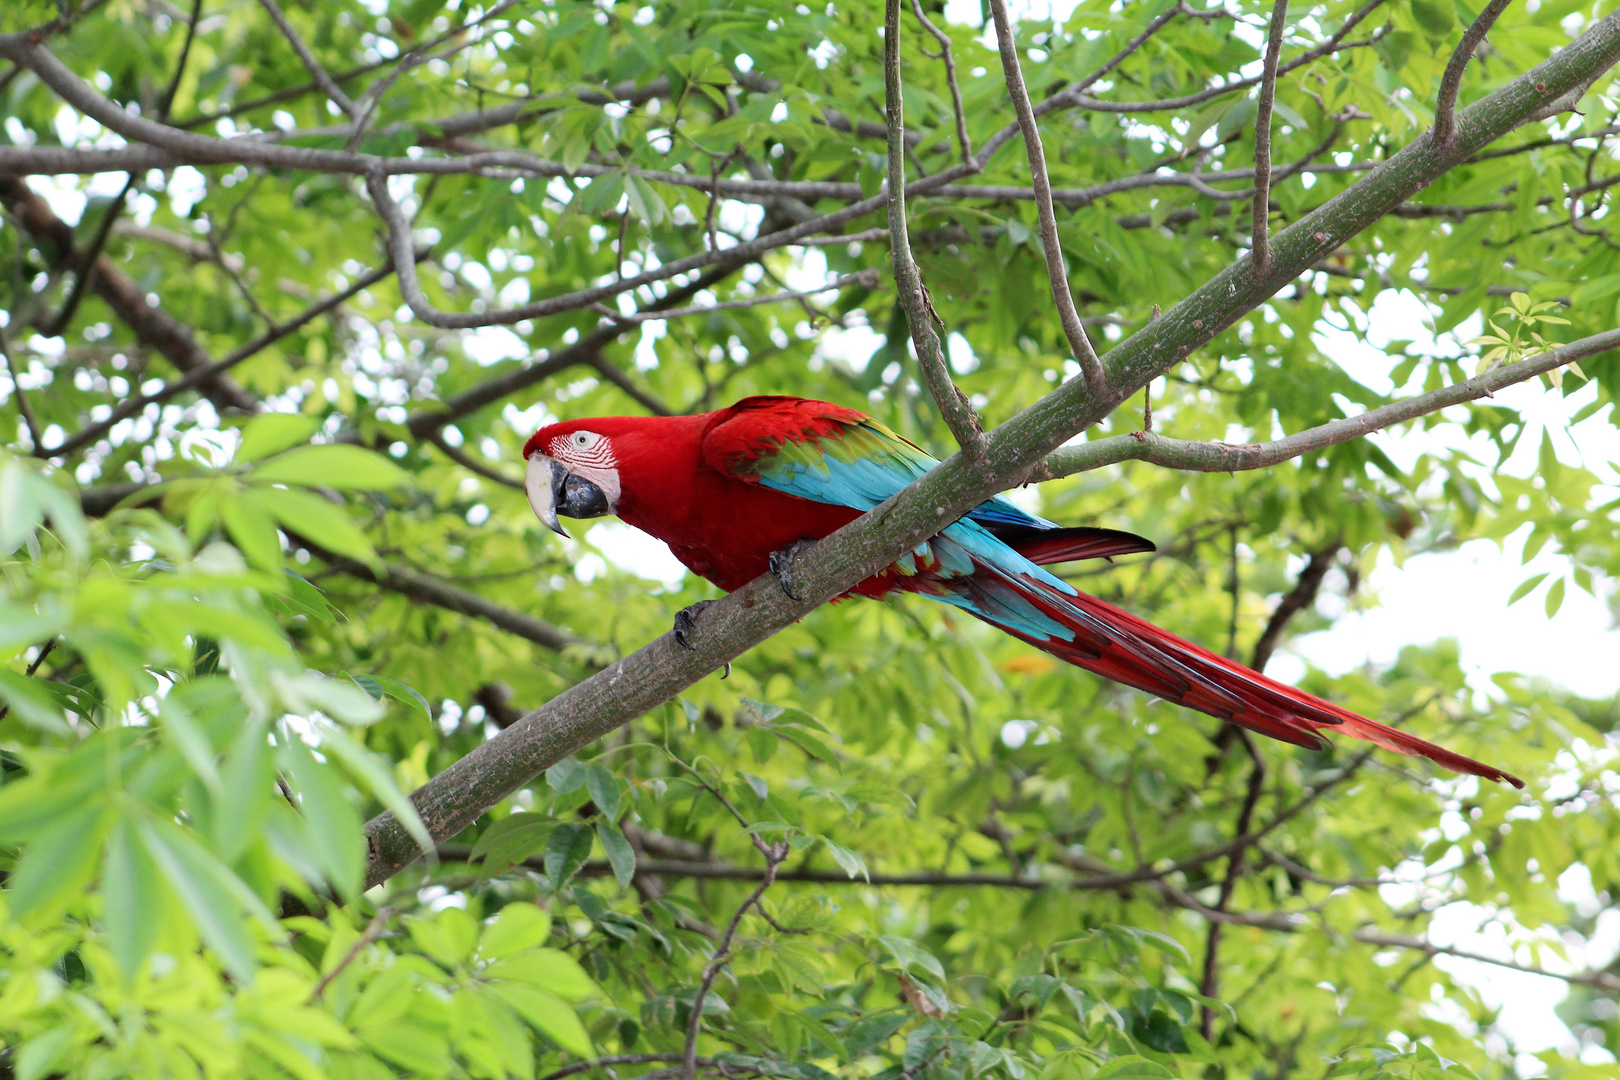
<point x="1445" y="107"/>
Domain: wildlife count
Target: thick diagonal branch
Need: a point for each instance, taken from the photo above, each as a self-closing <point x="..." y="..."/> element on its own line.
<point x="1091" y="368"/>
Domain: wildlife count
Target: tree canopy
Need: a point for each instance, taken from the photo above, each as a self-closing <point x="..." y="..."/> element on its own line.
<point x="288" y="285"/>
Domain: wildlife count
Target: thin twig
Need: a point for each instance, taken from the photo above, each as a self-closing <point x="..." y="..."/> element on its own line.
<point x="963" y="142"/>
<point x="87" y="262"/>
<point x="866" y="279"/>
<point x="371" y="933"/>
<point x="1261" y="251"/>
<point x="954" y="407"/>
<point x="328" y="86"/>
<point x="1445" y="106"/>
<point x="775" y="855"/>
<point x="1225" y="457"/>
<point x="23" y="405"/>
<point x="436" y="437"/>
<point x="132" y="405"/>
<point x="1091" y="368"/>
<point x="44" y="651"/>
<point x="1210" y="985"/>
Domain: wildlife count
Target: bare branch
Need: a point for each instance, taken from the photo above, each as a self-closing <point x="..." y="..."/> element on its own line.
<point x="1445" y="107"/>
<point x="1226" y="457"/>
<point x="963" y="143"/>
<point x="1079" y="344"/>
<point x="328" y="86"/>
<point x="23" y="406"/>
<point x="372" y="932"/>
<point x="866" y="279"/>
<point x="207" y="370"/>
<point x="153" y="326"/>
<point x="775" y="855"/>
<point x="1601" y="980"/>
<point x="431" y="590"/>
<point x="1262" y="144"/>
<point x="1298" y="599"/>
<point x="954" y="406"/>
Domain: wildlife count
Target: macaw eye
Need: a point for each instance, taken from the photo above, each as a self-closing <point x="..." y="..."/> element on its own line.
<point x="584" y="439"/>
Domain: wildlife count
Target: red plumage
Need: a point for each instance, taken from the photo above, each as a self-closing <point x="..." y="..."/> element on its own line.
<point x="695" y="482"/>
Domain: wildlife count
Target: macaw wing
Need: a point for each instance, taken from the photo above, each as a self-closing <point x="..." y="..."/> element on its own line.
<point x="829" y="454"/>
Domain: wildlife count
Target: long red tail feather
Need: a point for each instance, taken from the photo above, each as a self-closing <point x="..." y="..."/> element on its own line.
<point x="1118" y="645"/>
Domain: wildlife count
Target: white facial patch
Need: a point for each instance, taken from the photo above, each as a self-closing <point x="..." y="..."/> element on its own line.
<point x="589" y="456"/>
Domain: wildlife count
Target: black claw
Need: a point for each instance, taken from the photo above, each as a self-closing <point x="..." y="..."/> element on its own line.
<point x="781" y="563"/>
<point x="686" y="621"/>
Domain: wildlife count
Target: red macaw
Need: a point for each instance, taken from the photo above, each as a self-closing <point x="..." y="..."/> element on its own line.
<point x="734" y="493"/>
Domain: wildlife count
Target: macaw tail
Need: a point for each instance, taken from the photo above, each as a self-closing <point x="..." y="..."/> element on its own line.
<point x="1116" y="644"/>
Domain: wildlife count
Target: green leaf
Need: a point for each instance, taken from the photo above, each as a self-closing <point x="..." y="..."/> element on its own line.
<point x="549" y="1014"/>
<point x="58" y="860"/>
<point x="1525" y="588"/>
<point x="134" y="908"/>
<point x="333" y="465"/>
<point x="566" y="777"/>
<point x="518" y="928"/>
<point x="556" y="971"/>
<point x="566" y="851"/>
<point x="200" y="883"/>
<point x="1132" y="1067"/>
<point x="621" y="856"/>
<point x="604" y="790"/>
<point x="911" y="956"/>
<point x="312" y="517"/>
<point x="36" y="1057"/>
<point x="333" y="825"/>
<point x="1555" y="597"/>
<point x="272" y="433"/>
<point x="511" y="839"/>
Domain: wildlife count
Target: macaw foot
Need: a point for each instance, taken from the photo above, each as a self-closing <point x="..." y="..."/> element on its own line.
<point x="781" y="563"/>
<point x="686" y="621"/>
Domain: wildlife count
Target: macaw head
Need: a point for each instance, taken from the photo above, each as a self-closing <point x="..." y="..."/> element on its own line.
<point x="572" y="470"/>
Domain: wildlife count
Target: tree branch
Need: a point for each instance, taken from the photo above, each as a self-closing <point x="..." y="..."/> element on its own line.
<point x="964" y="144"/>
<point x="1445" y="106"/>
<point x="328" y="87"/>
<point x="1096" y="380"/>
<point x="212" y="369"/>
<point x="1298" y="599"/>
<point x="1261" y="205"/>
<point x="431" y="590"/>
<point x="1171" y="453"/>
<point x="775" y="855"/>
<point x="153" y="326"/>
<point x="866" y="279"/>
<point x="662" y="668"/>
<point x="954" y="406"/>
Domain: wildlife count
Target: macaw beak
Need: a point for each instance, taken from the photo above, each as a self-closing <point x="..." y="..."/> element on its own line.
<point x="553" y="490"/>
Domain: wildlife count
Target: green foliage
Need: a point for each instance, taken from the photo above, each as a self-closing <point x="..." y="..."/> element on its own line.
<point x="230" y="635"/>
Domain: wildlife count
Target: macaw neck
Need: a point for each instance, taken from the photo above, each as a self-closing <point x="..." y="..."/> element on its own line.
<point x="659" y="464"/>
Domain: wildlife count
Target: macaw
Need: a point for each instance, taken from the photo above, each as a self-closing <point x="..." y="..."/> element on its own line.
<point x="735" y="493"/>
